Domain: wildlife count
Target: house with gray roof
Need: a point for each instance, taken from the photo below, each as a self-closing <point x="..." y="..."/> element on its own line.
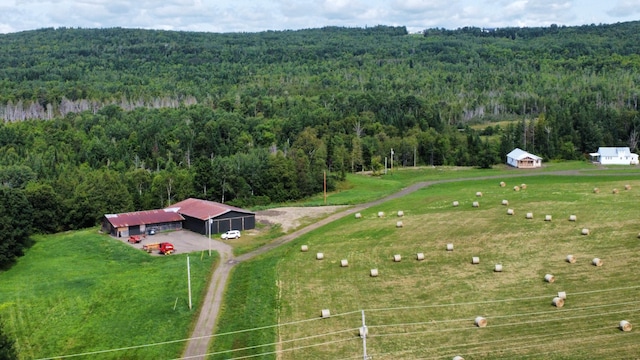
<point x="614" y="156"/>
<point x="523" y="160"/>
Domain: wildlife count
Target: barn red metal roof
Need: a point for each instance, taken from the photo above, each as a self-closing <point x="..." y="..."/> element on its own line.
<point x="144" y="217"/>
<point x="204" y="209"/>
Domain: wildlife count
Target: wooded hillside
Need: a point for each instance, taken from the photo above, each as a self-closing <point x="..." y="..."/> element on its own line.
<point x="110" y="120"/>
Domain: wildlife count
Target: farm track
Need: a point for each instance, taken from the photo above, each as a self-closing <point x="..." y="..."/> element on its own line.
<point x="200" y="338"/>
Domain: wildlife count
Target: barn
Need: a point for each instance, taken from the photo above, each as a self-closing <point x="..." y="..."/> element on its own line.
<point x="139" y="222"/>
<point x="523" y="160"/>
<point x="220" y="217"/>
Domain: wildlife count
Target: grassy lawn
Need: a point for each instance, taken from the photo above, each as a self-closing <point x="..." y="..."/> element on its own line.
<point x="426" y="309"/>
<point x="83" y="292"/>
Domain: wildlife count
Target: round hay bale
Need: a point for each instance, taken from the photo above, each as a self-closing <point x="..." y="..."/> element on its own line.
<point x="585" y="231"/>
<point x="475" y="204"/>
<point x="505" y="202"/>
<point x="399" y="224"/>
<point x="304" y="248"/>
<point x="420" y="256"/>
<point x="325" y="313"/>
<point x="480" y="322"/>
<point x="374" y="272"/>
<point x="502" y="184"/>
<point x="455" y="203"/>
<point x="615" y="191"/>
<point x="498" y="268"/>
<point x="479" y="194"/>
<point x="529" y="215"/>
<point x="562" y="295"/>
<point x="516" y="188"/>
<point x="380" y="214"/>
<point x="319" y="256"/>
<point x="571" y="259"/>
<point x="625" y="325"/>
<point x="397" y="258"/>
<point x="639" y="236"/>
<point x="344" y="263"/>
<point x="358" y="215"/>
<point x="449" y="247"/>
<point x="596" y="190"/>
<point x="510" y="212"/>
<point x="573" y="218"/>
<point x="596" y="262"/>
<point x="458" y="357"/>
<point x="547" y="218"/>
<point x="523" y="186"/>
<point x="558" y="302"/>
<point x="400" y="213"/>
<point x="627" y="187"/>
<point x="475" y="260"/>
<point x="549" y="278"/>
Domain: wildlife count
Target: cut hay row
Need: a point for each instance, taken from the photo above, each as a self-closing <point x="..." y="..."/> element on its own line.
<point x="565" y="274"/>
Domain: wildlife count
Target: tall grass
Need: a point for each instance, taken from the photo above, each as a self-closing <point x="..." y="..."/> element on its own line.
<point x="82" y="292"/>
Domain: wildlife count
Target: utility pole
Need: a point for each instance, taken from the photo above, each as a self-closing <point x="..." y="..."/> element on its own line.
<point x="392" y="159"/>
<point x="414" y="156"/>
<point x="363" y="331"/>
<point x="385" y="165"/>
<point x="189" y="280"/>
<point x="325" y="187"/>
<point x="209" y="221"/>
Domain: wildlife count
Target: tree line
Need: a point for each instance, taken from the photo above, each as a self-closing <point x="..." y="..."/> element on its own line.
<point x="113" y="120"/>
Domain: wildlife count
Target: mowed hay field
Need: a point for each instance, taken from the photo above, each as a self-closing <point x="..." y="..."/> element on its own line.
<point x="426" y="309"/>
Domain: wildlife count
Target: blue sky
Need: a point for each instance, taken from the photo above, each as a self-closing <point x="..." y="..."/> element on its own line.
<point x="260" y="15"/>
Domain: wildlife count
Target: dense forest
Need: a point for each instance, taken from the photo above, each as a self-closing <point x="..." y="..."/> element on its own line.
<point x="99" y="121"/>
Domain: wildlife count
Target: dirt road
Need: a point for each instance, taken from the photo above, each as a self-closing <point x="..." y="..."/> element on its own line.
<point x="199" y="342"/>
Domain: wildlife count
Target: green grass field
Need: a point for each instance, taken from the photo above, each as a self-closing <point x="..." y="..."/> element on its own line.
<point x="426" y="309"/>
<point x="82" y="292"/>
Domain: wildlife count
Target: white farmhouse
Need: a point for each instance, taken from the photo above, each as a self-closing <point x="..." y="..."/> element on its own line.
<point x="523" y="160"/>
<point x="615" y="156"/>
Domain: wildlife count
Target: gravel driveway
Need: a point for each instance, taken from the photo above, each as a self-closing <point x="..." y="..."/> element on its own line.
<point x="184" y="241"/>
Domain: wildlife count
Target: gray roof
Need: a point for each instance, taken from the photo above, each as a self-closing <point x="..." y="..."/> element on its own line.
<point x="613" y="151"/>
<point x="520" y="154"/>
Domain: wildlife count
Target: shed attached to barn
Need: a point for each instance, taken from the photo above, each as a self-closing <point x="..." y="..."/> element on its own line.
<point x="523" y="160"/>
<point x="139" y="222"/>
<point x="220" y="217"/>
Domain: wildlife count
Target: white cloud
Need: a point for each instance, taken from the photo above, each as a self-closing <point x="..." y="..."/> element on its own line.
<point x="625" y="8"/>
<point x="260" y="15"/>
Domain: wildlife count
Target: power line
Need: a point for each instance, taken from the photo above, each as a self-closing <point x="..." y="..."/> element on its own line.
<point x="286" y="350"/>
<point x="504" y="316"/>
<point x="333" y="315"/>
<point x="495" y="301"/>
<point x="192" y="338"/>
<point x="536" y="339"/>
<point x="275" y="343"/>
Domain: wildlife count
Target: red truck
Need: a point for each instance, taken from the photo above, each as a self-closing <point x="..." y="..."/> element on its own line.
<point x="134" y="239"/>
<point x="164" y="248"/>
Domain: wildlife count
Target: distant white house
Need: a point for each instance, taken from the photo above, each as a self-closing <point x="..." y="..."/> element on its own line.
<point x="615" y="156"/>
<point x="523" y="160"/>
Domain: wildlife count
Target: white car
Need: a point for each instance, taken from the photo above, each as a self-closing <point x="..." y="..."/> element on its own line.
<point x="231" y="234"/>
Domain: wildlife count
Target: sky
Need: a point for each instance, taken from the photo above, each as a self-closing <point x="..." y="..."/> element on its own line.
<point x="261" y="15"/>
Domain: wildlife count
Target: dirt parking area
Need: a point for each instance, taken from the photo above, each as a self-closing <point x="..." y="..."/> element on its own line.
<point x="184" y="241"/>
<point x="290" y="218"/>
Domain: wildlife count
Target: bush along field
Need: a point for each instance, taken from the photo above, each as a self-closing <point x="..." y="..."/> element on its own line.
<point x="86" y="293"/>
<point x="523" y="298"/>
